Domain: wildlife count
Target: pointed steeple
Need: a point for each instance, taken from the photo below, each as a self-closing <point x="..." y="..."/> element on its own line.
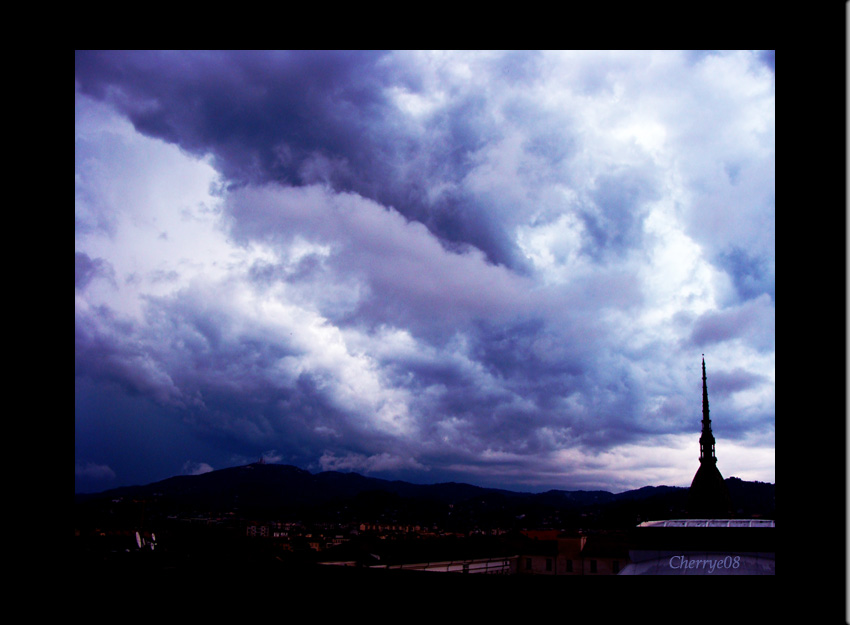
<point x="708" y="496"/>
<point x="706" y="440"/>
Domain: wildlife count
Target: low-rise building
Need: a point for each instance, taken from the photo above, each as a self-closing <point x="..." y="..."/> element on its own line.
<point x="572" y="553"/>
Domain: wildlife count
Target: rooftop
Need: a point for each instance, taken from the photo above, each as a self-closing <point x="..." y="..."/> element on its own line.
<point x="710" y="523"/>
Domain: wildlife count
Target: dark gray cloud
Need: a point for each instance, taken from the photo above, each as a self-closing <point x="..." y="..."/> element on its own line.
<point x="497" y="267"/>
<point x="87" y="269"/>
<point x="261" y="113"/>
<point x="755" y="318"/>
<point x="751" y="274"/>
<point x="304" y="117"/>
<point x="725" y="382"/>
<point x="614" y="220"/>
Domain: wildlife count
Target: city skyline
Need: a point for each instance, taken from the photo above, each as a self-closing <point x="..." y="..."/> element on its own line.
<point x="499" y="268"/>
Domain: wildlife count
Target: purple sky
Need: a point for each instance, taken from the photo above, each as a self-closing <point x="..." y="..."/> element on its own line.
<point x="500" y="268"/>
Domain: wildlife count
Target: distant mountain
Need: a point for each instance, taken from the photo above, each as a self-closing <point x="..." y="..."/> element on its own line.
<point x="272" y="489"/>
<point x="261" y="486"/>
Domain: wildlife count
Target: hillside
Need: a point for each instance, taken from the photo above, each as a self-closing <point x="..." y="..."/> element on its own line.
<point x="276" y="491"/>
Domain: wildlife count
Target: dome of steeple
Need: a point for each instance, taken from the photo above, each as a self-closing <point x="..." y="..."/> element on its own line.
<point x="708" y="497"/>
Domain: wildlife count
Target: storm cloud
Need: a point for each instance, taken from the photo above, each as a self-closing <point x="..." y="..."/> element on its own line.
<point x="493" y="267"/>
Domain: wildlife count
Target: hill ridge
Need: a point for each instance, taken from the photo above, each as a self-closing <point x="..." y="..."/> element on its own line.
<point x="262" y="488"/>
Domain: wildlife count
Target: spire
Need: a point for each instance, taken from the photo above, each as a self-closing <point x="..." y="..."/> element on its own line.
<point x="704" y="394"/>
<point x="706" y="440"/>
<point x="708" y="496"/>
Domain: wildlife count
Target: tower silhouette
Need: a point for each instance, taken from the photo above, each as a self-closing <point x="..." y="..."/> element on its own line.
<point x="708" y="496"/>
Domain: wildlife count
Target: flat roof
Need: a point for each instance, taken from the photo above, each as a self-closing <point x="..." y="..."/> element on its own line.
<point x="710" y="523"/>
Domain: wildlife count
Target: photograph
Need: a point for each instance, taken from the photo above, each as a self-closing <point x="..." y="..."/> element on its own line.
<point x="406" y="316"/>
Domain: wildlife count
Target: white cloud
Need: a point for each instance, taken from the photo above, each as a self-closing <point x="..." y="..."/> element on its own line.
<point x="145" y="207"/>
<point x="94" y="471"/>
<point x="196" y="468"/>
<point x="619" y="180"/>
<point x="361" y="463"/>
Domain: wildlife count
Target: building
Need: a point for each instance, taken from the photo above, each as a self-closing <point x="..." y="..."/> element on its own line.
<point x="257" y="530"/>
<point x="572" y="553"/>
<point x="708" y="496"/>
<point x="505" y="565"/>
<point x="703" y="547"/>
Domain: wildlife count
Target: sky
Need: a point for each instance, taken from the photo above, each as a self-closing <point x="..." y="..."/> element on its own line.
<point x="501" y="268"/>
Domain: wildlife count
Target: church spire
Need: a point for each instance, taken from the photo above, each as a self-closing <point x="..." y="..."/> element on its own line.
<point x="706" y="440"/>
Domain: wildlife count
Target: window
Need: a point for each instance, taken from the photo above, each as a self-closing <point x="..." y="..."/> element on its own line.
<point x="548" y="564"/>
<point x="593" y="566"/>
<point x="528" y="564"/>
<point x="569" y="566"/>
